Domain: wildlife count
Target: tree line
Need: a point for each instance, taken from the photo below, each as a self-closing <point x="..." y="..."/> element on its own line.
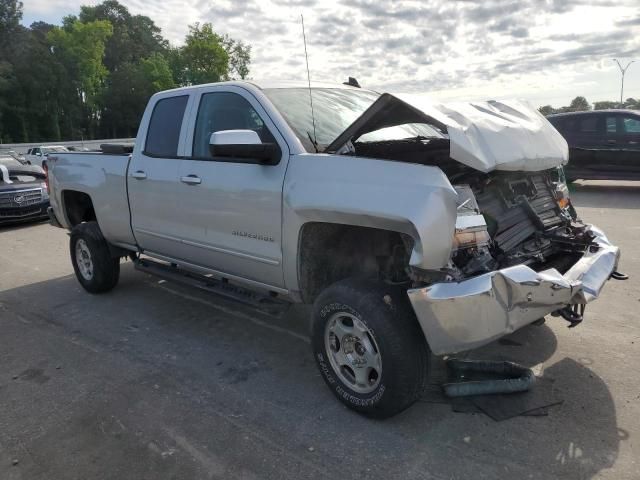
<point x="92" y="76"/>
<point x="580" y="104"/>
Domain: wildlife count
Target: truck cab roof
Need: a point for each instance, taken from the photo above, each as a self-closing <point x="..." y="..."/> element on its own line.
<point x="264" y="84"/>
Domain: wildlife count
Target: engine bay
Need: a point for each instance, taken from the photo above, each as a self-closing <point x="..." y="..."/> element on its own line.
<point x="512" y="218"/>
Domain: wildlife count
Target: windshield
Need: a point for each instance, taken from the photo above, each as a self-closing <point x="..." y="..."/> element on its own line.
<point x="335" y="109"/>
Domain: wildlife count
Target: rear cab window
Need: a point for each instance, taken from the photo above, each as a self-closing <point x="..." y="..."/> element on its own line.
<point x="588" y="124"/>
<point x="163" y="134"/>
<point x="563" y="124"/>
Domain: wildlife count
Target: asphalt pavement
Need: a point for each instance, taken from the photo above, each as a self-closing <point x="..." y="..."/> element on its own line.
<point x="157" y="381"/>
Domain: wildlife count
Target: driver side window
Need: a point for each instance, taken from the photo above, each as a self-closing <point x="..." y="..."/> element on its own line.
<point x="225" y="111"/>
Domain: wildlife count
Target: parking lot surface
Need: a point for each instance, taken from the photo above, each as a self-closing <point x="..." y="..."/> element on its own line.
<point x="156" y="381"/>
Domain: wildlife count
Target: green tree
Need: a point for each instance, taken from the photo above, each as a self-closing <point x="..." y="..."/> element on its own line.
<point x="209" y="57"/>
<point x="579" y="104"/>
<point x="129" y="90"/>
<point x="157" y="73"/>
<point x="135" y="40"/>
<point x="81" y="47"/>
<point x="10" y="16"/>
<point x="6" y="81"/>
<point x="41" y="99"/>
<point x="239" y="57"/>
<point x="604" y="105"/>
<point x="546" y="110"/>
<point x="134" y="36"/>
<point x="177" y="64"/>
<point x="204" y="57"/>
<point x="94" y="74"/>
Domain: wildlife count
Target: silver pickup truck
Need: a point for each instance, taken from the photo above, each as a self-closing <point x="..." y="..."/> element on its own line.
<point x="412" y="227"/>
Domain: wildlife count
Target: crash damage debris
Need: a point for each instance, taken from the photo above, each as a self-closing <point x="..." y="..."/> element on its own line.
<point x="496" y="377"/>
<point x="504" y="406"/>
<point x="483" y="375"/>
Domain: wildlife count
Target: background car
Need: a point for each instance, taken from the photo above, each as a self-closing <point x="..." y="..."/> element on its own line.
<point x="24" y="193"/>
<point x="603" y="144"/>
<point x="37" y="155"/>
<point x="4" y="151"/>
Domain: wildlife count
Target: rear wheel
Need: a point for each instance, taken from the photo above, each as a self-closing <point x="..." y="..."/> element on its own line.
<point x="369" y="347"/>
<point x="95" y="268"/>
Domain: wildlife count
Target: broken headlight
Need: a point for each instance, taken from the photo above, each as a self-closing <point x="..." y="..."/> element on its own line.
<point x="471" y="228"/>
<point x="561" y="190"/>
<point x="470" y="252"/>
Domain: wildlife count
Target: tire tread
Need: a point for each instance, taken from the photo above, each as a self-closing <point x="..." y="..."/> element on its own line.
<point x="106" y="269"/>
<point x="406" y="353"/>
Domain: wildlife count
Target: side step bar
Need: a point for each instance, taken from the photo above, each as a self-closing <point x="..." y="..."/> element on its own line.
<point x="173" y="273"/>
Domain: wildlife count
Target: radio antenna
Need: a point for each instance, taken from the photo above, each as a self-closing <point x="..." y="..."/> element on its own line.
<point x="313" y="117"/>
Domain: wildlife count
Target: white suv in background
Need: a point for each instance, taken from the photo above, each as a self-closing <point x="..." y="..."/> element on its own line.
<point x="36" y="155"/>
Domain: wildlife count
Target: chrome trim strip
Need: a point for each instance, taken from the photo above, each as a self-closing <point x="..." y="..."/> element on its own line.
<point x="268" y="261"/>
<point x="36" y="189"/>
<point x="217" y="273"/>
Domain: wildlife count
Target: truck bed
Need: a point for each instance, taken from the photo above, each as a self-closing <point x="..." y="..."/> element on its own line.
<point x="102" y="176"/>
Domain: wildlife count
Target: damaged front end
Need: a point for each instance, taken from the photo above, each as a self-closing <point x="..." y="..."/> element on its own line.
<point x="520" y="252"/>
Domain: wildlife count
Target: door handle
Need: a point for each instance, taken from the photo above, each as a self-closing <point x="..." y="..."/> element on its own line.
<point x="631" y="142"/>
<point x="139" y="174"/>
<point x="191" y="180"/>
<point x="611" y="142"/>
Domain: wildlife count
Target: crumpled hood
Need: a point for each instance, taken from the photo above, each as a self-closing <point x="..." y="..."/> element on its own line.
<point x="486" y="136"/>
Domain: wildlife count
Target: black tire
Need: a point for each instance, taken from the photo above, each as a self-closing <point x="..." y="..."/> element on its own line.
<point x="387" y="314"/>
<point x="105" y="271"/>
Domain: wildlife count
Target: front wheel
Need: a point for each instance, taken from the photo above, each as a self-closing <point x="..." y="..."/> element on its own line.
<point x="96" y="270"/>
<point x="369" y="347"/>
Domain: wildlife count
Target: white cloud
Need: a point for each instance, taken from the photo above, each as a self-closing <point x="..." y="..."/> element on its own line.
<point x="547" y="51"/>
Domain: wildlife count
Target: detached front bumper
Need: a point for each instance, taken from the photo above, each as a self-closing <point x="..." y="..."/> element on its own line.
<point x="469" y="314"/>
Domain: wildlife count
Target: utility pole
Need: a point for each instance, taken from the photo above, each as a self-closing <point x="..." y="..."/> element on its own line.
<point x="622" y="71"/>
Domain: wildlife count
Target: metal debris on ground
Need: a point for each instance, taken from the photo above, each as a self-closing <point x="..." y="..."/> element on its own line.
<point x="501" y="390"/>
<point x="497" y="377"/>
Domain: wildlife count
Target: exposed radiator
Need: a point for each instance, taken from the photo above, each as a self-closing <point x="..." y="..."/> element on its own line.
<point x="515" y="210"/>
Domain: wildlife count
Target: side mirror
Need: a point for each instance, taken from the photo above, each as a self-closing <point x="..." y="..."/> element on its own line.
<point x="244" y="146"/>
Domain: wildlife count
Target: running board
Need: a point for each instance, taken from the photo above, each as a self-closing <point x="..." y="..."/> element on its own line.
<point x="173" y="273"/>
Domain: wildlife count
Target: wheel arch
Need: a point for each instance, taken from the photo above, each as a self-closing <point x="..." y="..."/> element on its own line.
<point x="329" y="252"/>
<point x="78" y="207"/>
<point x="410" y="199"/>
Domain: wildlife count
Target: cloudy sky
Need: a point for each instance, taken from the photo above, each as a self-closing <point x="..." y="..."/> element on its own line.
<point x="546" y="51"/>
